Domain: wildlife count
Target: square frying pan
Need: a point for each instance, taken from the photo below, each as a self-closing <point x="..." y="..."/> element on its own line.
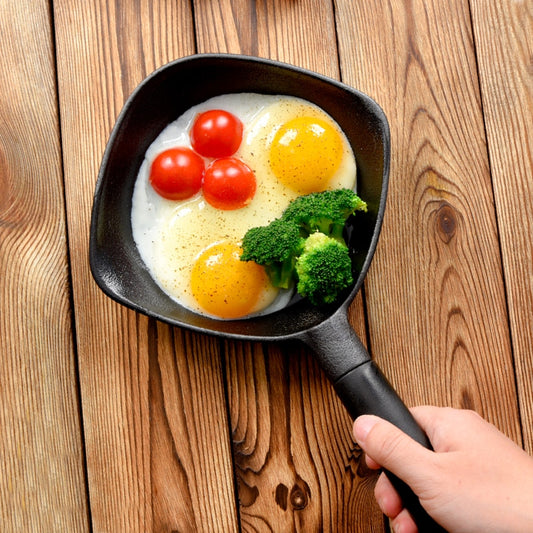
<point x="120" y="272"/>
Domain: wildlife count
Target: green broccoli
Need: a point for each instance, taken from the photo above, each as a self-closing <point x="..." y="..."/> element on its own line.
<point x="306" y="245"/>
<point x="325" y="211"/>
<point x="324" y="269"/>
<point x="276" y="247"/>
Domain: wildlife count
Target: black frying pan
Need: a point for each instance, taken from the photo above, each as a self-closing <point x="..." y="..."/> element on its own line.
<point x="121" y="274"/>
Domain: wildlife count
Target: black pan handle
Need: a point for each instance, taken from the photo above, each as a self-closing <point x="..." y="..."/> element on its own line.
<point x="363" y="389"/>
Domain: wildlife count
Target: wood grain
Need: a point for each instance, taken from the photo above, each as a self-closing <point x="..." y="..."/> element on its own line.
<point x="190" y="435"/>
<point x="158" y="453"/>
<point x="504" y="48"/>
<point x="294" y="32"/>
<point x="42" y="485"/>
<point x="441" y="333"/>
<point x="110" y="421"/>
<point x="296" y="464"/>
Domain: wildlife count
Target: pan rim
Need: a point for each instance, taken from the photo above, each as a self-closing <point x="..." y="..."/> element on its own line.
<point x="106" y="284"/>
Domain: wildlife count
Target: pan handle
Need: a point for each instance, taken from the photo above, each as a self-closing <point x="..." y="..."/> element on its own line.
<point x="363" y="389"/>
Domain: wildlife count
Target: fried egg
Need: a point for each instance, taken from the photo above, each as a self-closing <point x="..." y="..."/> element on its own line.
<point x="191" y="248"/>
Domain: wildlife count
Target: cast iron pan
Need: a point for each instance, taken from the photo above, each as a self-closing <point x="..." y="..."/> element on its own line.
<point x="122" y="275"/>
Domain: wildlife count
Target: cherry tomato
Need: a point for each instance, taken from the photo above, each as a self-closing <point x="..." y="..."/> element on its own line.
<point x="216" y="133"/>
<point x="177" y="173"/>
<point x="228" y="184"/>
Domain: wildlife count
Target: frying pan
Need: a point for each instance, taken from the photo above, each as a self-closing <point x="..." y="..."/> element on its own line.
<point x="121" y="274"/>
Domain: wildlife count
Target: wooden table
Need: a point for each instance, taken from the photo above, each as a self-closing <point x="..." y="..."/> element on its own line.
<point x="113" y="422"/>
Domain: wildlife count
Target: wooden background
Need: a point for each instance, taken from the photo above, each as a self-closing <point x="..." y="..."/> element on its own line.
<point x="113" y="422"/>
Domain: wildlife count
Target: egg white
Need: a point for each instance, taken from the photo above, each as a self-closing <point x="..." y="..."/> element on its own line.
<point x="170" y="235"/>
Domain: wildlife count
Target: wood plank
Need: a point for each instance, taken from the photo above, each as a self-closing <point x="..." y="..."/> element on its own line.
<point x="42" y="483"/>
<point x="437" y="309"/>
<point x="504" y="48"/>
<point x="158" y="452"/>
<point x="296" y="464"/>
<point x="192" y="480"/>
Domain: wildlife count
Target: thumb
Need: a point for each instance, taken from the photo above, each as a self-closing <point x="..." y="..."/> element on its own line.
<point x="391" y="448"/>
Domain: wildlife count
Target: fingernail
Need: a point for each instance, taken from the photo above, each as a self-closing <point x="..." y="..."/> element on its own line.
<point x="381" y="504"/>
<point x="362" y="427"/>
<point x="397" y="528"/>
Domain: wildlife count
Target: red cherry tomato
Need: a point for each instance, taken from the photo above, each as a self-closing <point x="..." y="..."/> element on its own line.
<point x="216" y="133"/>
<point x="228" y="184"/>
<point x="177" y="173"/>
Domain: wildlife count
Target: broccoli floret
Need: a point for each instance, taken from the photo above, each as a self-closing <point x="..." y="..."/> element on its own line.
<point x="306" y="245"/>
<point x="326" y="212"/>
<point x="324" y="269"/>
<point x="276" y="247"/>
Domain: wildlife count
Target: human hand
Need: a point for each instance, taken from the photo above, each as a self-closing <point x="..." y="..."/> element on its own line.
<point x="476" y="479"/>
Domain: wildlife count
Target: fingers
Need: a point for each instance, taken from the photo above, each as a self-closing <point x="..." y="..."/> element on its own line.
<point x="403" y="523"/>
<point x="389" y="446"/>
<point x="371" y="463"/>
<point x="388" y="500"/>
<point x="391" y="505"/>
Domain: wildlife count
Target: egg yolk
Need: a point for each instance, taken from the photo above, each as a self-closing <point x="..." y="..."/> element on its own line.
<point x="225" y="286"/>
<point x="305" y="154"/>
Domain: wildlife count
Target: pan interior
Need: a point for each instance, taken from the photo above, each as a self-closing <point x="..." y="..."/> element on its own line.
<point x="162" y="97"/>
